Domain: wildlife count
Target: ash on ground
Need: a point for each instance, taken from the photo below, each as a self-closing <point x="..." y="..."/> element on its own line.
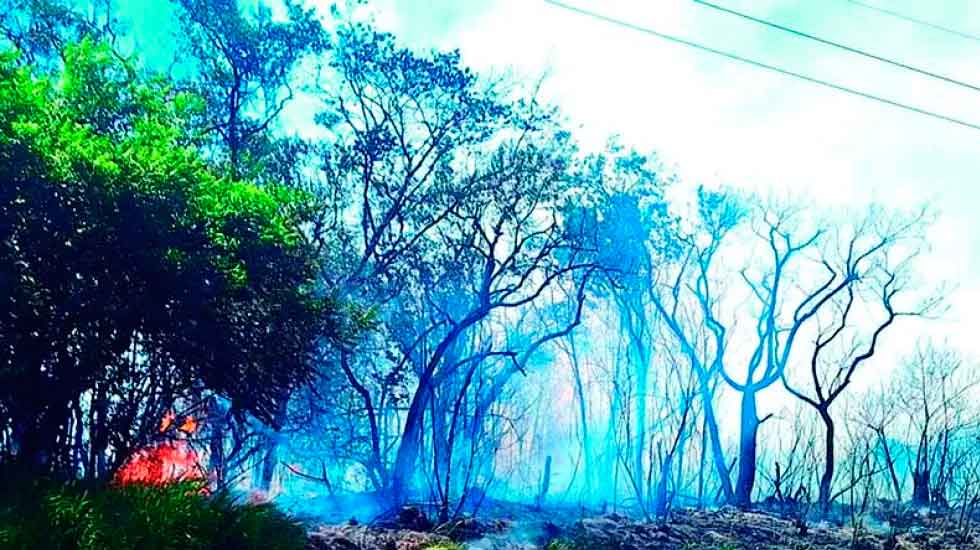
<point x="520" y="528"/>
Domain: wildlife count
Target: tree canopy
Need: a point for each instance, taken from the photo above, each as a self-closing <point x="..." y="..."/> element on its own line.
<point x="127" y="259"/>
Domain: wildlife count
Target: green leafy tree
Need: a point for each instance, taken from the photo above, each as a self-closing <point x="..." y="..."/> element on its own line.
<point x="124" y="254"/>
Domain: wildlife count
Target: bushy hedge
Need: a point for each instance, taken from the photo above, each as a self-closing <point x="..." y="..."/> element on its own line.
<point x="39" y="514"/>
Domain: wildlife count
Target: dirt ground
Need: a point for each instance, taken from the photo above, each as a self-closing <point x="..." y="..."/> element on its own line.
<point x="732" y="529"/>
<point x="726" y="529"/>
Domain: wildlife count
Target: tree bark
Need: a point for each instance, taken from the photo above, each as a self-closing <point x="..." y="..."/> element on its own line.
<point x="217" y="424"/>
<point x="376" y="460"/>
<point x="269" y="462"/>
<point x="717" y="452"/>
<point x="827" y="479"/>
<point x="660" y="499"/>
<point x="35" y="434"/>
<point x="896" y="486"/>
<point x="640" y="414"/>
<point x="583" y="416"/>
<point x="98" y="432"/>
<point x="920" y="487"/>
<point x="408" y="448"/>
<point x="545" y="484"/>
<point x="748" y="442"/>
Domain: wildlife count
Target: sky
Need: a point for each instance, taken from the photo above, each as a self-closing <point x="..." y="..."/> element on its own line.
<point x="719" y="122"/>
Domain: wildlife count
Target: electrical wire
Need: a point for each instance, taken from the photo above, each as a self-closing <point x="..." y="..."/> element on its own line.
<point x="892" y="62"/>
<point x="761" y="65"/>
<point x="915" y="20"/>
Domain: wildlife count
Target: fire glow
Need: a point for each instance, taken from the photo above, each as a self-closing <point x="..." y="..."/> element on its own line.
<point x="165" y="462"/>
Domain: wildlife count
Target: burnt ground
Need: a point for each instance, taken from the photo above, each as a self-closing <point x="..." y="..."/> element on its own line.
<point x="726" y="529"/>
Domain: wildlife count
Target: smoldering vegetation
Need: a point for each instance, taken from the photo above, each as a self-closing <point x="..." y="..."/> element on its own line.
<point x="302" y="266"/>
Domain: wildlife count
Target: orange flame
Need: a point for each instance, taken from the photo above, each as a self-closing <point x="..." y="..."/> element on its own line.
<point x="161" y="464"/>
<point x="189" y="426"/>
<point x="166" y="462"/>
<point x="167" y="421"/>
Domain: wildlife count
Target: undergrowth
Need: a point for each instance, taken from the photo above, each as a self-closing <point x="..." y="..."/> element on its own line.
<point x="41" y="514"/>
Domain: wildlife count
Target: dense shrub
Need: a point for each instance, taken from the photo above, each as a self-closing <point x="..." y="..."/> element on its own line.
<point x="39" y="514"/>
<point x="118" y="239"/>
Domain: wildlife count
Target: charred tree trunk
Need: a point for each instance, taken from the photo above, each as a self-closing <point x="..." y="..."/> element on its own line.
<point x="827" y="479"/>
<point x="889" y="462"/>
<point x="98" y="433"/>
<point x="583" y="416"/>
<point x="660" y="498"/>
<point x="408" y="449"/>
<point x="610" y="466"/>
<point x="269" y="462"/>
<point x="37" y="438"/>
<point x="920" y="486"/>
<point x="717" y="452"/>
<point x="270" y="443"/>
<point x="376" y="461"/>
<point x="747" y="449"/>
<point x="442" y="457"/>
<point x="217" y="424"/>
<point x="78" y="440"/>
<point x="702" y="463"/>
<point x="640" y="413"/>
<point x="679" y="471"/>
<point x="545" y="484"/>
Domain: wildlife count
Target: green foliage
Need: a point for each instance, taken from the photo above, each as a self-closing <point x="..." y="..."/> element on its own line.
<point x="98" y="126"/>
<point x="443" y="546"/>
<point x="584" y="544"/>
<point x="117" y="238"/>
<point x="41" y="514"/>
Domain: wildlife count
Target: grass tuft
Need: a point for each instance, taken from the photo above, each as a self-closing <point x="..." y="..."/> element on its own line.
<point x="38" y="514"/>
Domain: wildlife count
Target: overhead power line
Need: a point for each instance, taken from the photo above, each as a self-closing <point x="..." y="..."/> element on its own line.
<point x="761" y="65"/>
<point x="916" y="20"/>
<point x="838" y="45"/>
